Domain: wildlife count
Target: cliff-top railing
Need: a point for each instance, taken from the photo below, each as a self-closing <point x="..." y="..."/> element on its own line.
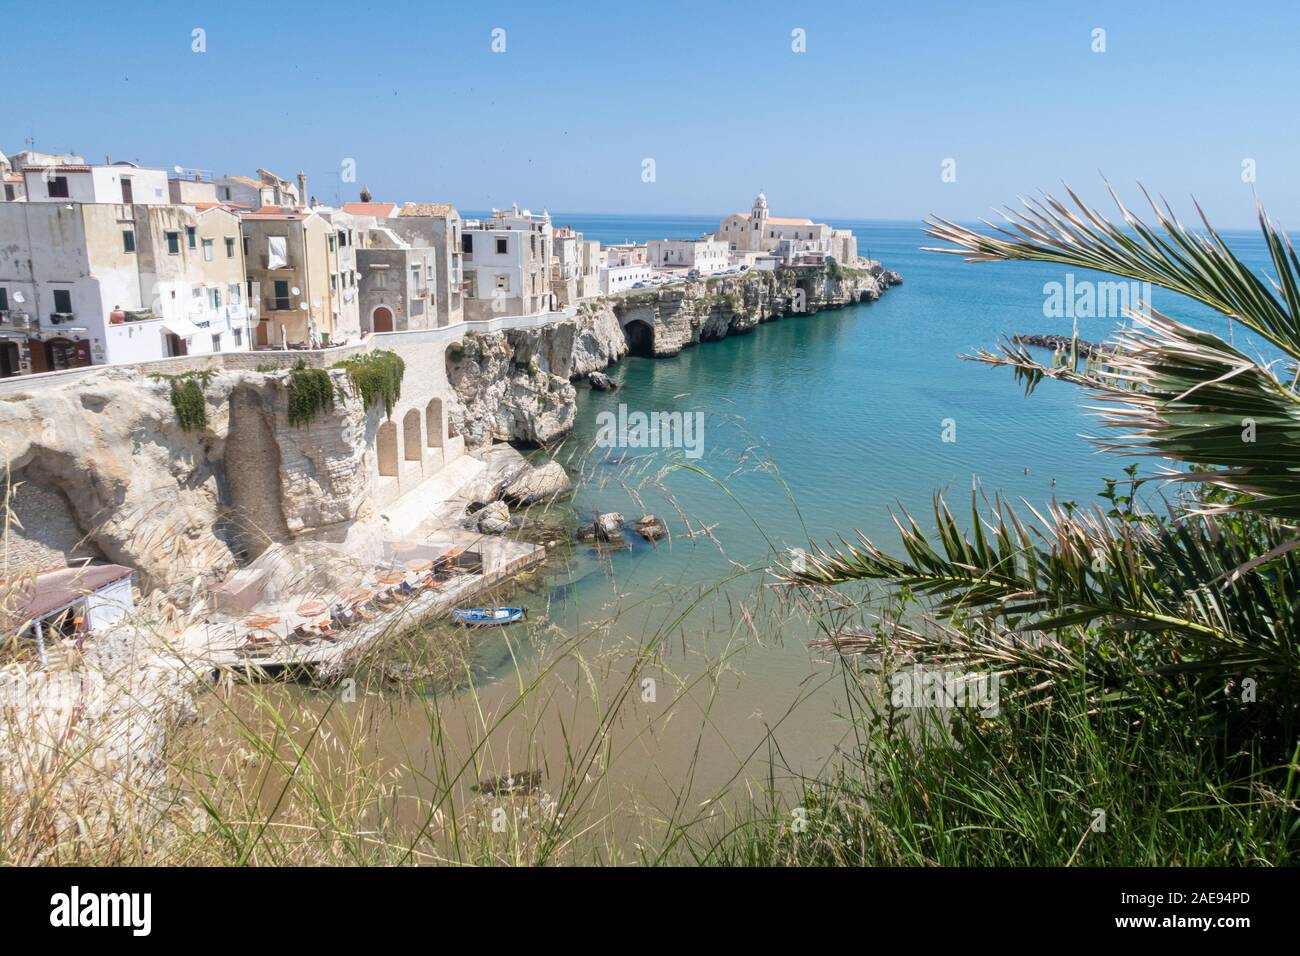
<point x="312" y="358"/>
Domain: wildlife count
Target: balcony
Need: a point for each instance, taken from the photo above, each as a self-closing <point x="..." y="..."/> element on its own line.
<point x="62" y="318"/>
<point x="15" y="321"/>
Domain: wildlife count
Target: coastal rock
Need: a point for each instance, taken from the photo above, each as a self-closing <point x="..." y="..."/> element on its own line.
<point x="494" y="518"/>
<point x="601" y="382"/>
<point x="540" y="484"/>
<point x="609" y="526"/>
<point x="651" y="528"/>
<point x="515" y="385"/>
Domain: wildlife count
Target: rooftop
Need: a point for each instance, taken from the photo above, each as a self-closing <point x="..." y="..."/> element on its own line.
<point x="435" y="209"/>
<point x="55" y="590"/>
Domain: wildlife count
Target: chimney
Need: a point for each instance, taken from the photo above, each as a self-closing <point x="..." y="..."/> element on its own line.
<point x="302" y="186"/>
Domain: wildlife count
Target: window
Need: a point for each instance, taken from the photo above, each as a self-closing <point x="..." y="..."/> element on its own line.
<point x="230" y="248"/>
<point x="503" y="245"/>
<point x="331" y="238"/>
<point x="235" y="292"/>
<point x="207" y="250"/>
<point x="239" y="337"/>
<point x="191" y="237"/>
<point x="57" y="187"/>
<point x="216" y="343"/>
<point x="63" y="301"/>
<point x="128" y="240"/>
<point x="281" y="294"/>
<point x="214" y="297"/>
<point x="415" y="277"/>
<point x="245" y="247"/>
<point x="532" y="242"/>
<point x="503" y="281"/>
<point x="4" y="299"/>
<point x="173" y="243"/>
<point x="334" y="282"/>
<point x="9" y="193"/>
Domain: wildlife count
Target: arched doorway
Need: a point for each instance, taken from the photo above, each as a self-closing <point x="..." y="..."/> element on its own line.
<point x="433" y="422"/>
<point x="382" y="320"/>
<point x="411" y="435"/>
<point x="386" y="449"/>
<point x="640" y="338"/>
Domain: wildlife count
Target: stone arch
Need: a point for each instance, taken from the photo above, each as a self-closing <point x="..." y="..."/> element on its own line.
<point x="381" y="320"/>
<point x="433" y="422"/>
<point x="411" y="445"/>
<point x="386" y="449"/>
<point x="640" y="338"/>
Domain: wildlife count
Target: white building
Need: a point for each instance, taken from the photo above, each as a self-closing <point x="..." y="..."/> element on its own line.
<point x="122" y="183"/>
<point x="90" y="283"/>
<point x="758" y="231"/>
<point x="620" y="278"/>
<point x="506" y="262"/>
<point x="705" y="255"/>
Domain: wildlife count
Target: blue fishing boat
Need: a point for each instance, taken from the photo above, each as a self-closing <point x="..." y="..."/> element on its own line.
<point x="488" y="616"/>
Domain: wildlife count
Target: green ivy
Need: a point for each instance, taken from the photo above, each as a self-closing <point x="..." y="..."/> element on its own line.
<point x="187" y="398"/>
<point x="376" y="376"/>
<point x="311" y="391"/>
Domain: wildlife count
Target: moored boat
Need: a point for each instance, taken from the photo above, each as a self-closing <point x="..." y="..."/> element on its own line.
<point x="488" y="616"/>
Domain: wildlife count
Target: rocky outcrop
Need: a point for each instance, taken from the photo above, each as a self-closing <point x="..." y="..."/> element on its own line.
<point x="546" y="483"/>
<point x="102" y="468"/>
<point x="515" y="385"/>
<point x="493" y="518"/>
<point x="651" y="528"/>
<point x="682" y="315"/>
<point x="601" y="382"/>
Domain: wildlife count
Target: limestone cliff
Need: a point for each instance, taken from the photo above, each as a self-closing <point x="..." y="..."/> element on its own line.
<point x="682" y="315"/>
<point x="101" y="468"/>
<point x="515" y="385"/>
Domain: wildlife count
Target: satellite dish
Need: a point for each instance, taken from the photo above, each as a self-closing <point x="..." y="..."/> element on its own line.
<point x="179" y="169"/>
<point x="19" y="297"/>
<point x="296" y="290"/>
<point x="303" y="306"/>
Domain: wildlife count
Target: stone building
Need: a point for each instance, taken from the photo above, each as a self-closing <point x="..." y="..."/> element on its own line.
<point x="302" y="275"/>
<point x="267" y="189"/>
<point x="99" y="282"/>
<point x="437" y="226"/>
<point x="507" y="264"/>
<point x="759" y="231"/>
<point x="396" y="283"/>
<point x="704" y="255"/>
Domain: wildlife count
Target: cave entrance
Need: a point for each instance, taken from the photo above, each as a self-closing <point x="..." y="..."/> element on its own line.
<point x="640" y="338"/>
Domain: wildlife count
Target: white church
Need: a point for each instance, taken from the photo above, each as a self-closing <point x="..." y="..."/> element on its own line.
<point x="757" y="231"/>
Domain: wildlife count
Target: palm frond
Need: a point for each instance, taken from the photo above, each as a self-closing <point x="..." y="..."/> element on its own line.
<point x="1201" y="267"/>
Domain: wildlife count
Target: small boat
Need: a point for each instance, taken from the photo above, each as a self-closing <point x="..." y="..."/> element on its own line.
<point x="487" y="616"/>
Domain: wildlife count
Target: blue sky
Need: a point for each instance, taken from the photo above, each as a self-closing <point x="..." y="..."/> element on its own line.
<point x="858" y="126"/>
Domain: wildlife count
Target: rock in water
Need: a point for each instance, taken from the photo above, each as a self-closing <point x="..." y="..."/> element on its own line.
<point x="494" y="518"/>
<point x="523" y="782"/>
<point x="539" y="484"/>
<point x="602" y="382"/>
<point x="651" y="528"/>
<point x="609" y="526"/>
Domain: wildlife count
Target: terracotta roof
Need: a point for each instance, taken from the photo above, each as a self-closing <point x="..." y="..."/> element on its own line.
<point x="380" y="210"/>
<point x="57" y="589"/>
<point x="247" y="181"/>
<point x="277" y="212"/>
<point x="436" y="209"/>
<point x="13" y="178"/>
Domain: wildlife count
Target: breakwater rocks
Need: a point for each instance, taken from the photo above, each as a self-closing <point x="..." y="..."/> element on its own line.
<point x="1062" y="343"/>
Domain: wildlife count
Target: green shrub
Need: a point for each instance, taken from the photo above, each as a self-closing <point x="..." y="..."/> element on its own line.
<point x="187" y="398"/>
<point x="376" y="376"/>
<point x="311" y="391"/>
